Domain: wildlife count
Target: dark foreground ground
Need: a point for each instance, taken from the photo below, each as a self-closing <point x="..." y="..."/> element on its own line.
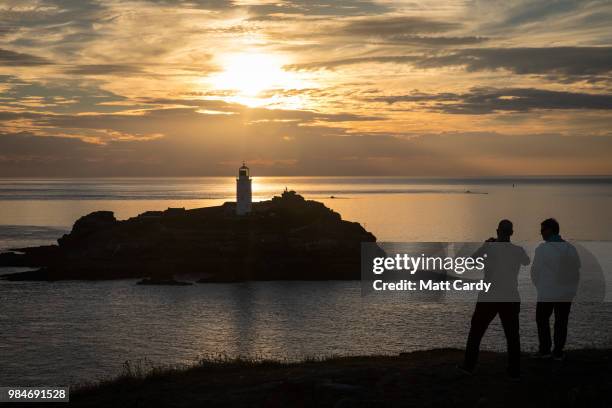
<point x="420" y="379"/>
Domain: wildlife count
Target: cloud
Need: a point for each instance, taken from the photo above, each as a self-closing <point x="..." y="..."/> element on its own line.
<point x="87" y="95"/>
<point x="311" y="66"/>
<point x="553" y="60"/>
<point x="504" y="15"/>
<point x="197" y="4"/>
<point x="183" y="121"/>
<point x="344" y="154"/>
<point x="16" y="59"/>
<point x="437" y="41"/>
<point x="380" y="30"/>
<point x="563" y="64"/>
<point x="41" y="13"/>
<point x="273" y="11"/>
<point x="529" y="12"/>
<point x="384" y="33"/>
<point x="392" y="26"/>
<point x="164" y="120"/>
<point x="103" y="69"/>
<point x="490" y="100"/>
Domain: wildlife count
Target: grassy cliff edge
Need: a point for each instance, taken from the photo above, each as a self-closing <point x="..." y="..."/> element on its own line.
<point x="422" y="378"/>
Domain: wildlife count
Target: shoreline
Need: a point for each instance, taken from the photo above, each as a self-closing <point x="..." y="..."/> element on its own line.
<point x="420" y="378"/>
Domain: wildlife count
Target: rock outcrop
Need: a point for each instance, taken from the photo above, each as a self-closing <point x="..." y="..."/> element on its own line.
<point x="286" y="238"/>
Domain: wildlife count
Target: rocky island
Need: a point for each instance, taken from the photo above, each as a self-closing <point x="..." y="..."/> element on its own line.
<point x="285" y="238"/>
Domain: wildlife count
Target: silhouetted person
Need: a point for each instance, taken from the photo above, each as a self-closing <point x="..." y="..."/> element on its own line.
<point x="502" y="265"/>
<point x="555" y="273"/>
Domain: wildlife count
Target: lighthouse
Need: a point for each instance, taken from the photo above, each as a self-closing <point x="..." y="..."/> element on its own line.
<point x="243" y="191"/>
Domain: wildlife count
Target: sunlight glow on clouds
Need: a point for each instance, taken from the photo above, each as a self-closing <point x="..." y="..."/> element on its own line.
<point x="162" y="87"/>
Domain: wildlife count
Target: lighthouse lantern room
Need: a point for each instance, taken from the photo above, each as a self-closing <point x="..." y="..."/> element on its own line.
<point x="243" y="191"/>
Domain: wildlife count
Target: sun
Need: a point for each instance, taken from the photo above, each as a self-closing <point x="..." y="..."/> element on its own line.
<point x="248" y="74"/>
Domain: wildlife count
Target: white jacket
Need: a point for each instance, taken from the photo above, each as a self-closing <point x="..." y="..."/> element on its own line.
<point x="556" y="271"/>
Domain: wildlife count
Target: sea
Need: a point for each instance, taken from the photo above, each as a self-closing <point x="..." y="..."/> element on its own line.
<point x="66" y="333"/>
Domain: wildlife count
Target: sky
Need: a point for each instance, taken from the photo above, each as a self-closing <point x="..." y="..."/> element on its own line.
<point x="305" y="87"/>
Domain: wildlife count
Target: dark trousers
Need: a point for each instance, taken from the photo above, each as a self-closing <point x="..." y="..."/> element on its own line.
<point x="484" y="313"/>
<point x="543" y="312"/>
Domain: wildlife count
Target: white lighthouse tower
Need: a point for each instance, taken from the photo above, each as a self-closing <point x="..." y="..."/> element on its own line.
<point x="243" y="191"/>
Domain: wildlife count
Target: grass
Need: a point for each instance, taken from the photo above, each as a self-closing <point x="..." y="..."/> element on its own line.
<point x="423" y="379"/>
